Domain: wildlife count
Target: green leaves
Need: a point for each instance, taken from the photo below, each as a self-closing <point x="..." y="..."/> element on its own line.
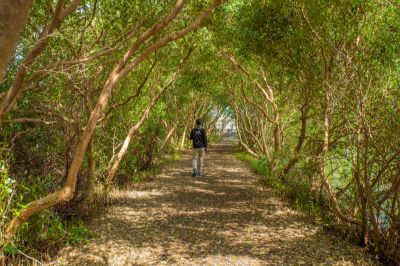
<point x="10" y="250"/>
<point x="78" y="234"/>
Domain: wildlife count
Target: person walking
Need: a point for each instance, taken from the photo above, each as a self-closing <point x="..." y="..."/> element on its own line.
<point x="199" y="139"/>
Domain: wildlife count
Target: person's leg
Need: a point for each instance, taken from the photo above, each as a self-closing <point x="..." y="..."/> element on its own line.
<point x="194" y="162"/>
<point x="202" y="152"/>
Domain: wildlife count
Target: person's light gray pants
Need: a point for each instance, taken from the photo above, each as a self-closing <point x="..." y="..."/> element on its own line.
<point x="198" y="156"/>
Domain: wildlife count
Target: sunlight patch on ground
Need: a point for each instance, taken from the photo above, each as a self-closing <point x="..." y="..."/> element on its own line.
<point x="235" y="181"/>
<point x="137" y="194"/>
<point x="200" y="183"/>
<point x="205" y="191"/>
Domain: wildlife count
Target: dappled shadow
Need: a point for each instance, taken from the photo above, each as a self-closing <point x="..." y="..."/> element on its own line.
<point x="224" y="218"/>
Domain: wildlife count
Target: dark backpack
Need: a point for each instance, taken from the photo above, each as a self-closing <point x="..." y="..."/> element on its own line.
<point x="197" y="140"/>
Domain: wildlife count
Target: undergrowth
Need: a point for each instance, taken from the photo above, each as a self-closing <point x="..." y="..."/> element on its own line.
<point x="48" y="231"/>
<point x="44" y="233"/>
<point x="128" y="178"/>
<point x="296" y="191"/>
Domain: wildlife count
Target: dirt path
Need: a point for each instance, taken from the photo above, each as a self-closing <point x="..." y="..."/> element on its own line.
<point x="224" y="218"/>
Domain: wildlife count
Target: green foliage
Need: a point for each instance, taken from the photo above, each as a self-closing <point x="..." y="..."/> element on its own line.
<point x="47" y="233"/>
<point x="297" y="191"/>
<point x="303" y="51"/>
<point x="258" y="166"/>
<point x="78" y="234"/>
<point x="6" y="186"/>
<point x="7" y="191"/>
<point x="126" y="179"/>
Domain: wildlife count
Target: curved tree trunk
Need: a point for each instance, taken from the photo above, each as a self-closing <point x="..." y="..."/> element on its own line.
<point x="169" y="136"/>
<point x="18" y="83"/>
<point x="113" y="169"/>
<point x="242" y="143"/>
<point x="13" y="15"/>
<point x="183" y="138"/>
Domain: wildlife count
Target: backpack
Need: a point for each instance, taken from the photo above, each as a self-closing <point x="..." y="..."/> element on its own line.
<point x="197" y="137"/>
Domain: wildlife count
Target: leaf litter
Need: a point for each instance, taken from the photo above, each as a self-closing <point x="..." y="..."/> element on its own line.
<point x="223" y="218"/>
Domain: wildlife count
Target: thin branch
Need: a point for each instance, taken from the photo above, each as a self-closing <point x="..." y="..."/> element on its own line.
<point x="29" y="120"/>
<point x="129" y="98"/>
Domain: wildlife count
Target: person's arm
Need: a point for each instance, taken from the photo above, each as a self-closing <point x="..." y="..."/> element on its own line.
<point x="191" y="135"/>
<point x="205" y="139"/>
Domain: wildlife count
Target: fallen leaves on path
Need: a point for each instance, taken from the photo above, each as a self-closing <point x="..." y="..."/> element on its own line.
<point x="223" y="218"/>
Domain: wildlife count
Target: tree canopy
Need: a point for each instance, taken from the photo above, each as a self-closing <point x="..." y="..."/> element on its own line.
<point x="98" y="91"/>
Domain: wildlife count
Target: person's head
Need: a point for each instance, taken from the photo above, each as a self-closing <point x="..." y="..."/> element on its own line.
<point x="198" y="122"/>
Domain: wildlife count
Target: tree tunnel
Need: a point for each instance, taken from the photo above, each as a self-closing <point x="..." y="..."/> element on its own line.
<point x="96" y="90"/>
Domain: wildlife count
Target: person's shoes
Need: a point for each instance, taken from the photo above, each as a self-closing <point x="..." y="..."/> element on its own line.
<point x="194" y="174"/>
<point x="201" y="174"/>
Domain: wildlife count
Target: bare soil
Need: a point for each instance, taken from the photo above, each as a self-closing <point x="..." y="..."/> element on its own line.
<point x="224" y="218"/>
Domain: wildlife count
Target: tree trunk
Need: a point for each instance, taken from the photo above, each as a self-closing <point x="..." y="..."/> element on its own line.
<point x="169" y="136"/>
<point x="18" y="83"/>
<point x="92" y="167"/>
<point x="242" y="143"/>
<point x="214" y="121"/>
<point x="13" y="15"/>
<point x="183" y="138"/>
<point x="113" y="169"/>
<point x="361" y="197"/>
<point x="292" y="162"/>
<point x="324" y="157"/>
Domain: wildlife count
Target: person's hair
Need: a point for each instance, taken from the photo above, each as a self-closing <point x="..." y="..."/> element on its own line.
<point x="198" y="122"/>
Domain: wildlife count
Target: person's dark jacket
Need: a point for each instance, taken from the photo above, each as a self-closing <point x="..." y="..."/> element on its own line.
<point x="199" y="138"/>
